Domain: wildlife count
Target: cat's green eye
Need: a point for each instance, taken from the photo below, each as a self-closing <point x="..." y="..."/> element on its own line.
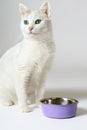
<point x="38" y="21"/>
<point x="26" y="22"/>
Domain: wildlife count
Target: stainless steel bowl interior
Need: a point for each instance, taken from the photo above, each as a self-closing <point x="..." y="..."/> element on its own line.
<point x="59" y="101"/>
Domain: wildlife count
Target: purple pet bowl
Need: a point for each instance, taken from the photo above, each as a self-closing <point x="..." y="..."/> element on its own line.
<point x="59" y="107"/>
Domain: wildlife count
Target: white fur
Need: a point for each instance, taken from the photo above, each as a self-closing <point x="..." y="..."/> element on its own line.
<point x="23" y="67"/>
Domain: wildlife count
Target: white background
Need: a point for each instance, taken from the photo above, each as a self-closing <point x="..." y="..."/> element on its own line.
<point x="68" y="76"/>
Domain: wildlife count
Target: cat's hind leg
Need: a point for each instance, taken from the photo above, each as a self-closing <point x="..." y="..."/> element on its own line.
<point x="7" y="103"/>
<point x="6" y="97"/>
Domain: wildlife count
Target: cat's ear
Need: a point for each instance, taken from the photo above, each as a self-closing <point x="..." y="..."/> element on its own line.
<point x="45" y="7"/>
<point x="23" y="9"/>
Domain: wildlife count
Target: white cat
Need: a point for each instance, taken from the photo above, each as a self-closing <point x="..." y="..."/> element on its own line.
<point x="23" y="67"/>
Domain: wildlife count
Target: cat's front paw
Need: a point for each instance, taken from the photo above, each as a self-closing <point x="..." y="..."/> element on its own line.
<point x="25" y="108"/>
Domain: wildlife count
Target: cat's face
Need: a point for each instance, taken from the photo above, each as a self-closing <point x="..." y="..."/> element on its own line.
<point x="35" y="22"/>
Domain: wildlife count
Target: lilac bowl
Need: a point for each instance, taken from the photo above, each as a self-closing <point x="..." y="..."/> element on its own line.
<point x="58" y="107"/>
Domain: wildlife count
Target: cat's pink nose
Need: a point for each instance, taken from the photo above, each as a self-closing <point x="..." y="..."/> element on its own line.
<point x="30" y="28"/>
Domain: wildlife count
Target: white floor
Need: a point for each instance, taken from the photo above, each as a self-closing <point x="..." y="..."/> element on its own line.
<point x="12" y="119"/>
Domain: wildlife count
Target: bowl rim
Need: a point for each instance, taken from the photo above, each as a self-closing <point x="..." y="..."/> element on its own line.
<point x="74" y="101"/>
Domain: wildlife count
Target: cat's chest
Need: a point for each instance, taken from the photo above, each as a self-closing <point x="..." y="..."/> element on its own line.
<point x="36" y="55"/>
<point x="35" y="50"/>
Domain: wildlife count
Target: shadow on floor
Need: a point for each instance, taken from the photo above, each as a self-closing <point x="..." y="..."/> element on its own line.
<point x="81" y="112"/>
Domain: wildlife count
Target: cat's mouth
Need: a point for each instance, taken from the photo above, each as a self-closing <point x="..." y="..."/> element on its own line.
<point x="31" y="33"/>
